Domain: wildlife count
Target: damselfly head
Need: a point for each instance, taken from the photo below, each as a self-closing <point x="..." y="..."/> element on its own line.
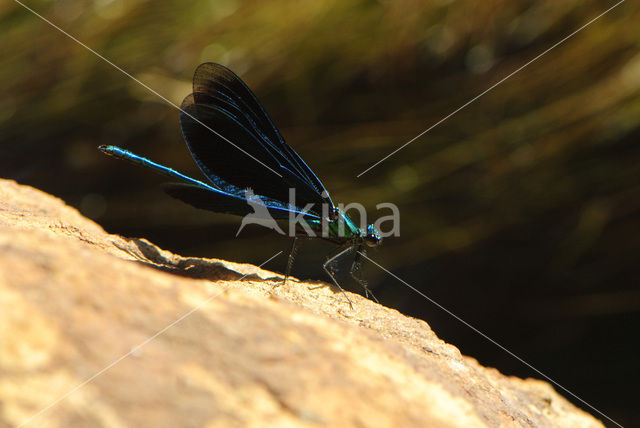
<point x="372" y="238"/>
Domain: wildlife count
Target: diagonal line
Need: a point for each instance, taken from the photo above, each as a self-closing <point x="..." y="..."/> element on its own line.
<point x="145" y="86"/>
<point x="490" y="88"/>
<point x="491" y="340"/>
<point x="135" y="348"/>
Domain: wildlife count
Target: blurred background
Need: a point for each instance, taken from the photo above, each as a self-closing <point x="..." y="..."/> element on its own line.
<point x="520" y="213"/>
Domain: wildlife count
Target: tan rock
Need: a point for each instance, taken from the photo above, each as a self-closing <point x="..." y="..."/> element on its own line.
<point x="116" y="332"/>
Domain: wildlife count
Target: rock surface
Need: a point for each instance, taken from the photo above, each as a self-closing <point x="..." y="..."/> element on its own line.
<point x="116" y="332"/>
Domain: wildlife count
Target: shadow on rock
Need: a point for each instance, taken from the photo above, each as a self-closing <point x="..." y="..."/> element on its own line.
<point x="192" y="267"/>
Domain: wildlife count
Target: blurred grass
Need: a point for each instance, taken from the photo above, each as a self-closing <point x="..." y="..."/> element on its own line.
<point x="522" y="204"/>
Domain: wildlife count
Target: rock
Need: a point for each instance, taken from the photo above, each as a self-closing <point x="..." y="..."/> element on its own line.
<point x="100" y="330"/>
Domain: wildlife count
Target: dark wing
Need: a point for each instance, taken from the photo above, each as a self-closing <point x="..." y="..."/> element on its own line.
<point x="230" y="203"/>
<point x="221" y="102"/>
<point x="218" y="81"/>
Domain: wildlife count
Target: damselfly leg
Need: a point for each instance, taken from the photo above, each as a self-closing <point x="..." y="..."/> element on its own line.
<point x="292" y="255"/>
<point x="356" y="273"/>
<point x="328" y="268"/>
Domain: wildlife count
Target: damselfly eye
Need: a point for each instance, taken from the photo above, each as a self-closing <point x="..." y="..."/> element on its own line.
<point x="372" y="237"/>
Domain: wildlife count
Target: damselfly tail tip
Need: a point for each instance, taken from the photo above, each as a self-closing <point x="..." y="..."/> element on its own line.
<point x="108" y="149"/>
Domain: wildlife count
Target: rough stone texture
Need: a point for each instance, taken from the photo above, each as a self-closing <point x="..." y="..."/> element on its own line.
<point x="75" y="299"/>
